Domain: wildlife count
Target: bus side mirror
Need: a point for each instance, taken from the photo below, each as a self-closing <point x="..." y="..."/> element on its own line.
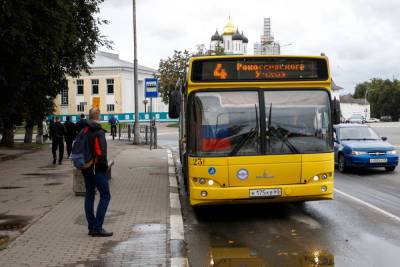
<point x="335" y="111"/>
<point x="384" y="138"/>
<point x="174" y="104"/>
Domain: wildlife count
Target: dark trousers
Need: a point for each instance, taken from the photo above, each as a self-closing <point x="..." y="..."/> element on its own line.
<point x="69" y="142"/>
<point x="58" y="143"/>
<point x="96" y="179"/>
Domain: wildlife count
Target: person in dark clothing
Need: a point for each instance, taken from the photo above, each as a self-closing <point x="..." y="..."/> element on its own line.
<point x="70" y="134"/>
<point x="58" y="141"/>
<point x="51" y="128"/>
<point x="113" y="126"/>
<point x="96" y="177"/>
<point x="81" y="123"/>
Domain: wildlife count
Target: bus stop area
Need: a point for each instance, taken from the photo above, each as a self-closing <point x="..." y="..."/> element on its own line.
<point x="42" y="221"/>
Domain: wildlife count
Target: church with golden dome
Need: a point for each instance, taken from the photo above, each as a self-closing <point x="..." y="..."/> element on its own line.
<point x="231" y="40"/>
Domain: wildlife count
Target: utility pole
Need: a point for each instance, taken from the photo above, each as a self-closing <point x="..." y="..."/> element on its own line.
<point x="136" y="139"/>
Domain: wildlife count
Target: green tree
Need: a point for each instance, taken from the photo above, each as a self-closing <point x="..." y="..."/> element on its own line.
<point x="170" y="70"/>
<point x="42" y="42"/>
<point x="383" y="96"/>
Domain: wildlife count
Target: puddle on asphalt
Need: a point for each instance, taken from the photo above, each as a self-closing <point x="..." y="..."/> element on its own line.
<point x="10" y="187"/>
<point x="243" y="256"/>
<point x="231" y="252"/>
<point x="145" y="246"/>
<point x="13" y="222"/>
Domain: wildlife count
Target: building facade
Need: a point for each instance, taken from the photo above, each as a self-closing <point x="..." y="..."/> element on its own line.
<point x="267" y="45"/>
<point x="231" y="40"/>
<point x="109" y="86"/>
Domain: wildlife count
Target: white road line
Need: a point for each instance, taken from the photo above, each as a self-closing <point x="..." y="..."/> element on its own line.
<point x="386" y="213"/>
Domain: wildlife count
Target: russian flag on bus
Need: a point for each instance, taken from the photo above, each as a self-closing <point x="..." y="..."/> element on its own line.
<point x="215" y="137"/>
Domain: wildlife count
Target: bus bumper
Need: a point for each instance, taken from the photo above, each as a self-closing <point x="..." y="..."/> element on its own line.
<point x="237" y="195"/>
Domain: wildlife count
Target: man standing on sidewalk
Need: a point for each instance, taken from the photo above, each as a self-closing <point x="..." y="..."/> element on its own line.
<point x="70" y="134"/>
<point x="58" y="141"/>
<point x="96" y="176"/>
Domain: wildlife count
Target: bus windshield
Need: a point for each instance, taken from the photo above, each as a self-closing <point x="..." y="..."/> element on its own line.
<point x="228" y="123"/>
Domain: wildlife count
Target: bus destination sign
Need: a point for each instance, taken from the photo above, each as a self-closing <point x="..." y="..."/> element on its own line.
<point x="256" y="69"/>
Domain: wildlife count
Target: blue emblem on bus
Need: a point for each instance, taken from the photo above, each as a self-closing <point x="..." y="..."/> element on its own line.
<point x="212" y="170"/>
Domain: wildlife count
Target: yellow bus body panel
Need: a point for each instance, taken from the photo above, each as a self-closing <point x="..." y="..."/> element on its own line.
<point x="293" y="174"/>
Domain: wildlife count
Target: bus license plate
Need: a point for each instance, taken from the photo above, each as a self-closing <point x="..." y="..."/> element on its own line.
<point x="274" y="192"/>
<point x="378" y="161"/>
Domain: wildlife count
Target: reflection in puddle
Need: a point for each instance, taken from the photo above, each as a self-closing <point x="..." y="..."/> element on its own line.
<point x="13" y="222"/>
<point x="245" y="257"/>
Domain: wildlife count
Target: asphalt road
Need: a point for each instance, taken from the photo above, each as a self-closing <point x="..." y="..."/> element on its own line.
<point x="360" y="227"/>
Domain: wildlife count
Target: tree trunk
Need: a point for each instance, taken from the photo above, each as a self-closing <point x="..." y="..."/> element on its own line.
<point x="28" y="131"/>
<point x="39" y="136"/>
<point x="7" y="138"/>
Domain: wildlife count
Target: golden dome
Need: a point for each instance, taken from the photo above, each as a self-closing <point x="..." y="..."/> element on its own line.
<point x="229" y="28"/>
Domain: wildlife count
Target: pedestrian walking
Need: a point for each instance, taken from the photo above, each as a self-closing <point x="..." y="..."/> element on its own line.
<point x="70" y="134"/>
<point x="51" y="128"/>
<point x="96" y="176"/>
<point x="113" y="126"/>
<point x="81" y="123"/>
<point x="58" y="141"/>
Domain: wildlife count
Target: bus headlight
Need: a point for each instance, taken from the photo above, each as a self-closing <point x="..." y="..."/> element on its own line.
<point x="203" y="193"/>
<point x="316" y="178"/>
<point x="324" y="188"/>
<point x="202" y="181"/>
<point x="392" y="152"/>
<point x="324" y="176"/>
<point x="210" y="182"/>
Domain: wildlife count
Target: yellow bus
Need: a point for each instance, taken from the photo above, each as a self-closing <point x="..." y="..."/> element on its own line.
<point x="255" y="129"/>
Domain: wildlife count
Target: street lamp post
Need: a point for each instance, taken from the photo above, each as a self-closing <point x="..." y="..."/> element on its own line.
<point x="136" y="139"/>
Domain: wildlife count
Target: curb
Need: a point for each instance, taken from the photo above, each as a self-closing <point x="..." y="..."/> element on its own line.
<point x="177" y="237"/>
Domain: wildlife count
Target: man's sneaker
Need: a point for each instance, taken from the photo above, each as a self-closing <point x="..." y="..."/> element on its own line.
<point x="102" y="233"/>
<point x="91" y="232"/>
<point x="54" y="161"/>
<point x="59" y="163"/>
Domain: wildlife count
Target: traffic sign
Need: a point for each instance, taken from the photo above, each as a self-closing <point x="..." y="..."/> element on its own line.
<point x="151" y="87"/>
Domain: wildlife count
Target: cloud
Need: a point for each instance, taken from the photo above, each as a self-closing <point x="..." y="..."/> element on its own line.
<point x="359" y="36"/>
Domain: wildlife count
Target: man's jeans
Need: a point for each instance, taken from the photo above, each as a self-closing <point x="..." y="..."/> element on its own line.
<point x="96" y="179"/>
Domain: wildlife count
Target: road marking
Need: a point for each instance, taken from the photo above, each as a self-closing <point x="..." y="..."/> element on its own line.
<point x="386" y="213"/>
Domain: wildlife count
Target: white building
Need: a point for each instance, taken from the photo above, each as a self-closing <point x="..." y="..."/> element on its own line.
<point x="231" y="40"/>
<point x="109" y="86"/>
<point x="351" y="106"/>
<point x="267" y="45"/>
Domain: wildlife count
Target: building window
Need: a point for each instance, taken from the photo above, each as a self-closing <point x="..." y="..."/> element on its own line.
<point x="79" y="87"/>
<point x="95" y="87"/>
<point x="110" y="107"/>
<point x="64" y="96"/>
<point x="80" y="107"/>
<point x="110" y="86"/>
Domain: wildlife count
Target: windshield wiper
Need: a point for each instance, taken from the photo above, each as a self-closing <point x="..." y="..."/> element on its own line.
<point x="283" y="139"/>
<point x="242" y="141"/>
<point x="246" y="137"/>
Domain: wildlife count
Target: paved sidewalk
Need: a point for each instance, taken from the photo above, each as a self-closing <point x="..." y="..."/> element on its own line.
<point x="138" y="215"/>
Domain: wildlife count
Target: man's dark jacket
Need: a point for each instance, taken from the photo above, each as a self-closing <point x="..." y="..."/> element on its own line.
<point x="99" y="145"/>
<point x="58" y="130"/>
<point x="70" y="130"/>
<point x="80" y="125"/>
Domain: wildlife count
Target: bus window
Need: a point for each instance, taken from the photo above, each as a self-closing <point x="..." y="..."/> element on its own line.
<point x="227" y="122"/>
<point x="297" y="122"/>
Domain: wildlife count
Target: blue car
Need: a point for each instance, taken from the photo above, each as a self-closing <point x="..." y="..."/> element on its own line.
<point x="357" y="145"/>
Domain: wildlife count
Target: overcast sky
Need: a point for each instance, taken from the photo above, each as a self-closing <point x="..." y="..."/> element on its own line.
<point x="360" y="37"/>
